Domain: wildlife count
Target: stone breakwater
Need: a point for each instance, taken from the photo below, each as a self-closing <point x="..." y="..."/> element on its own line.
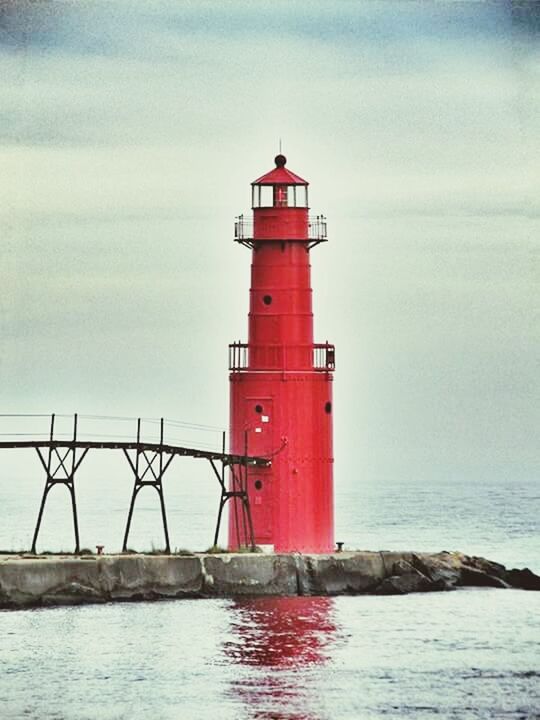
<point x="30" y="581"/>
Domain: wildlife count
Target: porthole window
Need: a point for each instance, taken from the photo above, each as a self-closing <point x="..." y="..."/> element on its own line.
<point x="328" y="408"/>
<point x="258" y="409"/>
<point x="258" y="484"/>
<point x="267" y="299"/>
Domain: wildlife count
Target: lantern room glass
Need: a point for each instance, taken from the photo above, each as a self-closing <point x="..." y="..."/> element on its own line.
<point x="279" y="196"/>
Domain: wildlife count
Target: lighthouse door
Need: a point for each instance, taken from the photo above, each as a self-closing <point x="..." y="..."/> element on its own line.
<point x="260" y="486"/>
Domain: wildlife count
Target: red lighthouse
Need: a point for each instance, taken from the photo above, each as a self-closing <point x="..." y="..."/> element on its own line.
<point x="281" y="382"/>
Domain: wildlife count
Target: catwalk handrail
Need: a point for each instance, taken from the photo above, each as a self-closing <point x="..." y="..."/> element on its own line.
<point x="226" y="458"/>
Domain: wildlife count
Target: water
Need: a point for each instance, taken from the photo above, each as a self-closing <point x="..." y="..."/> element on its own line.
<point x="466" y="654"/>
<point x="497" y="521"/>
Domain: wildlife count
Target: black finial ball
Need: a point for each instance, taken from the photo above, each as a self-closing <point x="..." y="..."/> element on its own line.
<point x="280" y="160"/>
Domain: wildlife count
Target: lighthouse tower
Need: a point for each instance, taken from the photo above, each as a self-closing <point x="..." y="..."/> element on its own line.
<point x="280" y="380"/>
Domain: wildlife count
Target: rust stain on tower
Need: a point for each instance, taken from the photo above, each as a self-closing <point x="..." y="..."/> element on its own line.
<point x="280" y="380"/>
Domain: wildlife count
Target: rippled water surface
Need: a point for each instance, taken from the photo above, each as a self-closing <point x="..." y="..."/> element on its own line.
<point x="447" y="655"/>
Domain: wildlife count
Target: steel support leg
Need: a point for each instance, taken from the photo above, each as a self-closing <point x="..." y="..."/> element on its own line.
<point x="60" y="469"/>
<point x="147" y="458"/>
<point x="237" y="494"/>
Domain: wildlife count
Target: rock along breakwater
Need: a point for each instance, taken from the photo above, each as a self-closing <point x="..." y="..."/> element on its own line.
<point x="33" y="581"/>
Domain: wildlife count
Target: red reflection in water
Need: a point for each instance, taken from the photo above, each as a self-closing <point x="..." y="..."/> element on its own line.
<point x="278" y="640"/>
<point x="281" y="631"/>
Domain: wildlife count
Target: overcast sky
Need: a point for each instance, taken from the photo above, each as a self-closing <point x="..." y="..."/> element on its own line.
<point x="129" y="134"/>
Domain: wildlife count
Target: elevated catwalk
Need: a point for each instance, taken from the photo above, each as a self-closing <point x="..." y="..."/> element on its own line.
<point x="61" y="457"/>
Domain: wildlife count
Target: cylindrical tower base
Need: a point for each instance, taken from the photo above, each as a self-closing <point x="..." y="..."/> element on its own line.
<point x="286" y="416"/>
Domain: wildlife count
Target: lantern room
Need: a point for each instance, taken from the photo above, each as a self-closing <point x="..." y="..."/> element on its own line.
<point x="280" y="205"/>
<point x="280" y="188"/>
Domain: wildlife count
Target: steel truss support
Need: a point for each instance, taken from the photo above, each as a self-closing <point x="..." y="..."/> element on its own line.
<point x="60" y="467"/>
<point x="239" y="495"/>
<point x="149" y="475"/>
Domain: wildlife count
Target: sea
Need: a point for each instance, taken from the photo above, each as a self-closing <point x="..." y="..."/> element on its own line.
<point x="471" y="653"/>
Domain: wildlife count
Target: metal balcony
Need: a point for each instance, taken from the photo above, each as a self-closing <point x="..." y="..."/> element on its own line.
<point x="238" y="356"/>
<point x="324" y="357"/>
<point x="317" y="231"/>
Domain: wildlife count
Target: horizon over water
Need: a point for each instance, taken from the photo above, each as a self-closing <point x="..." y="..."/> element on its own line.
<point x="463" y="654"/>
<point x="492" y="519"/>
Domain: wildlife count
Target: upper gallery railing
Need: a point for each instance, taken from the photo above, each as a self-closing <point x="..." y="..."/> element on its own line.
<point x="317" y="230"/>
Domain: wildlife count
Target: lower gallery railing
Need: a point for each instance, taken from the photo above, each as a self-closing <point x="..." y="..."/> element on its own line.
<point x="323" y="356"/>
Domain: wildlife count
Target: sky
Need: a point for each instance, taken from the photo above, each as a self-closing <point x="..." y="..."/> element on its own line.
<point x="129" y="136"/>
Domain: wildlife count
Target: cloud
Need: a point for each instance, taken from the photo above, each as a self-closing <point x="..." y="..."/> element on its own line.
<point x="102" y="27"/>
<point x="413" y="123"/>
<point x="129" y="133"/>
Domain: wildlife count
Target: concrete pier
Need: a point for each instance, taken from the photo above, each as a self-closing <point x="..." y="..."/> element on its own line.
<point x="34" y="581"/>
